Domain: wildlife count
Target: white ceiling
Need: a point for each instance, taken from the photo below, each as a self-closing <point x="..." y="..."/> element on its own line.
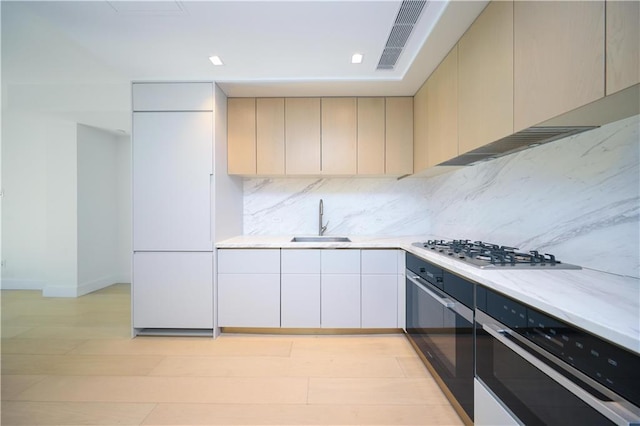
<point x="269" y="48"/>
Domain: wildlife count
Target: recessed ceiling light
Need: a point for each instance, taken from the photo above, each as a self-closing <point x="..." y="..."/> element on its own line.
<point x="215" y="60"/>
<point x="356" y="58"/>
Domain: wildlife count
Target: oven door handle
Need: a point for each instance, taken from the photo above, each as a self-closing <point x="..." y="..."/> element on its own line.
<point x="610" y="409"/>
<point x="446" y="302"/>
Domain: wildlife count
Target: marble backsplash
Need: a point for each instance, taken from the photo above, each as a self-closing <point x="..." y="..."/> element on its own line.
<point x="578" y="198"/>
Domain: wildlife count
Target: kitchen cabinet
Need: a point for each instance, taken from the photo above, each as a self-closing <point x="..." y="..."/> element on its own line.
<point x="249" y="288"/>
<point x="623" y="47"/>
<point x="558" y="58"/>
<point x="241" y="136"/>
<point x="172" y="97"/>
<point x="340" y="289"/>
<point x="442" y="111"/>
<point x="172" y="228"/>
<point x="172" y="167"/>
<point x="300" y="289"/>
<point x="270" y="136"/>
<point x="399" y="136"/>
<point x="302" y="136"/>
<point x="485" y="78"/>
<point x="339" y="136"/>
<point x="420" y="129"/>
<point x="172" y="290"/>
<point x="487" y="410"/>
<point x="379" y="280"/>
<point x="371" y="136"/>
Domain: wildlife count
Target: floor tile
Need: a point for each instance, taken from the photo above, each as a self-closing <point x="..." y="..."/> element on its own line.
<point x="74" y="365"/>
<point x="11" y="386"/>
<point x="73" y="413"/>
<point x="302" y="414"/>
<point x="167" y="389"/>
<point x="374" y="391"/>
<point x="39" y="346"/>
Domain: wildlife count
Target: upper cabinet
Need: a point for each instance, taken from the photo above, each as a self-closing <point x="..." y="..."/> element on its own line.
<point x="302" y="136"/>
<point x="270" y="136"/>
<point x="371" y="136"/>
<point x="420" y="129"/>
<point x="241" y="135"/>
<point x="339" y="136"/>
<point x="399" y="136"/>
<point x="320" y="136"/>
<point x="442" y="110"/>
<point x="623" y="35"/>
<point x="485" y="78"/>
<point x="558" y="58"/>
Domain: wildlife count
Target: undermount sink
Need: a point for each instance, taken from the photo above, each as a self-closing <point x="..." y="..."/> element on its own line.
<point x="320" y="239"/>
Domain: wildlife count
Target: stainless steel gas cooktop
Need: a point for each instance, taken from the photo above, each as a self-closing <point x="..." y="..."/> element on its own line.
<point x="493" y="256"/>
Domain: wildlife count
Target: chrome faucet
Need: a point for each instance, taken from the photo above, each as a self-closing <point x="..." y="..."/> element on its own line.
<point x="321" y="228"/>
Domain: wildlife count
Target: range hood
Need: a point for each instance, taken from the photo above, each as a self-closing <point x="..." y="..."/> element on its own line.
<point x="527" y="138"/>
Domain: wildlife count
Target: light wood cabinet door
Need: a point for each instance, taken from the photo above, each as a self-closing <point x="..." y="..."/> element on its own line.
<point x="270" y="136"/>
<point x="485" y="78"/>
<point x="623" y="44"/>
<point x="241" y="136"/>
<point x="302" y="136"/>
<point x="442" y="111"/>
<point x="399" y="136"/>
<point x="371" y="136"/>
<point x="558" y="58"/>
<point x="420" y="129"/>
<point x="339" y="136"/>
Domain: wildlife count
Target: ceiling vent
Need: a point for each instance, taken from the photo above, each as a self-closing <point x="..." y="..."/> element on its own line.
<point x="408" y="15"/>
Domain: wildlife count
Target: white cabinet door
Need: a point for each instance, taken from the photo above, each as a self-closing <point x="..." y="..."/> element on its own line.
<point x="300" y="288"/>
<point x="376" y="261"/>
<point x="487" y="410"/>
<point x="340" y="261"/>
<point x="249" y="261"/>
<point x="172" y="167"/>
<point x="379" y="301"/>
<point x="173" y="290"/>
<point x="249" y="300"/>
<point x="249" y="288"/>
<point x="340" y="300"/>
<point x="173" y="97"/>
<point x="300" y="298"/>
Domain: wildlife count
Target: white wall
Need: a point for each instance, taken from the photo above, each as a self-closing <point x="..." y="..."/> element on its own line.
<point x="24" y="205"/>
<point x="98" y="209"/>
<point x="57" y="223"/>
<point x="62" y="211"/>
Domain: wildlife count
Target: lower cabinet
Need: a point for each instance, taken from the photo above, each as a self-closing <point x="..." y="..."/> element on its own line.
<point x="340" y="301"/>
<point x="487" y="410"/>
<point x="249" y="288"/>
<point x="300" y="288"/>
<point x="309" y="288"/>
<point x="249" y="300"/>
<point x="172" y="290"/>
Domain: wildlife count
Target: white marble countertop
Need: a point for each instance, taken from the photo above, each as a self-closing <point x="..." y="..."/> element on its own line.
<point x="605" y="304"/>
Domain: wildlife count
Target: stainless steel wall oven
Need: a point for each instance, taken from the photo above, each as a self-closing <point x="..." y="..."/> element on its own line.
<point x="439" y="323"/>
<point x="547" y="372"/>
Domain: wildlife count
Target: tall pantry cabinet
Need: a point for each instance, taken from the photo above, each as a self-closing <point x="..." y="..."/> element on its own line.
<point x="174" y="129"/>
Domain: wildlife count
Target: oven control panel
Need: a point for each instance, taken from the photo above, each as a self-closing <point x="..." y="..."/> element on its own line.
<point x="612" y="366"/>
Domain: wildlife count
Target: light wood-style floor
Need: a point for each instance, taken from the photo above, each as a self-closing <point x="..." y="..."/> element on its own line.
<point x="72" y="362"/>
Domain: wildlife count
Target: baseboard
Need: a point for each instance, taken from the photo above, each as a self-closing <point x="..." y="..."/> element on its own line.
<point x="100" y="283"/>
<point x="18" y="284"/>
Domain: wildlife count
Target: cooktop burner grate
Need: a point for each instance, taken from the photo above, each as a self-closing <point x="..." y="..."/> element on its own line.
<point x="488" y="255"/>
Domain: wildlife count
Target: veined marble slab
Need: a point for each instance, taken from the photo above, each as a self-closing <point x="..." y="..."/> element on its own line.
<point x="605" y="304"/>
